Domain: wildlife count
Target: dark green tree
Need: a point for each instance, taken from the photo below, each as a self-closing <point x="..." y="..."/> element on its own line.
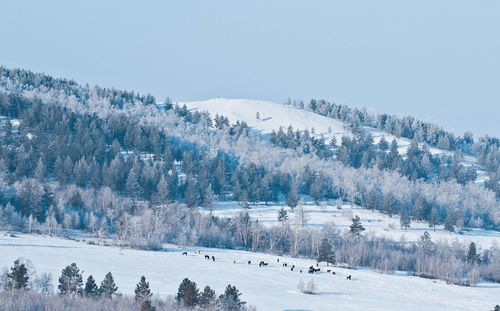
<point x="18" y="275"/>
<point x="207" y="297"/>
<point x="405" y="220"/>
<point x="188" y="293"/>
<point x="356" y="227"/>
<point x="91" y="289"/>
<point x="282" y="215"/>
<point x="70" y="281"/>
<point x="326" y="253"/>
<point x="230" y="300"/>
<point x="142" y="290"/>
<point x="472" y="255"/>
<point x="108" y="287"/>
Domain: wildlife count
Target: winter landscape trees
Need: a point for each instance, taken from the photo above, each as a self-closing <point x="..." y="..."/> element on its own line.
<point x="114" y="164"/>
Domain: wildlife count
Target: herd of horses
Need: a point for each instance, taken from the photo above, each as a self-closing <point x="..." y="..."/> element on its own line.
<point x="311" y="269"/>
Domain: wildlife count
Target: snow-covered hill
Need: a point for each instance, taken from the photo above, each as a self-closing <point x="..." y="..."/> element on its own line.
<point x="266" y="116"/>
<point x="270" y="288"/>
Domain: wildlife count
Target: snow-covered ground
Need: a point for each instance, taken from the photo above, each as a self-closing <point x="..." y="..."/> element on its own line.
<point x="271" y="116"/>
<point x="270" y="288"/>
<point x="374" y="221"/>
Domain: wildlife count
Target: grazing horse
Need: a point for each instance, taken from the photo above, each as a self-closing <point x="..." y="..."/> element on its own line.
<point x="328" y="271"/>
<point x="263" y="264"/>
<point x="333" y="272"/>
<point x="312" y="270"/>
<point x="207" y="257"/>
<point x="213" y="258"/>
<point x="249" y="262"/>
<point x="184" y="253"/>
<point x="348" y="278"/>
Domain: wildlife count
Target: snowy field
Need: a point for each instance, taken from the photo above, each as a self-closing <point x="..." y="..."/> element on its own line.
<point x="269" y="288"/>
<point x="374" y="222"/>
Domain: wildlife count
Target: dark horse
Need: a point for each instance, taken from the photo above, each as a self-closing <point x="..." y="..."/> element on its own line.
<point x="263" y="264"/>
<point x="185" y="253"/>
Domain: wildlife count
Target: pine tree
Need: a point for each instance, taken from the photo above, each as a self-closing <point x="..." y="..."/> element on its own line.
<point x="187" y="293"/>
<point x="390" y="204"/>
<point x="326" y="253"/>
<point x="472" y="255"/>
<point x="282" y="215"/>
<point x="497" y="308"/>
<point x="70" y="281"/>
<point x="189" y="194"/>
<point x="142" y="290"/>
<point x="18" y="275"/>
<point x="108" y="287"/>
<point x="207" y="297"/>
<point x="91" y="289"/>
<point x="356" y="226"/>
<point x="449" y="222"/>
<point x="292" y="199"/>
<point x="230" y="300"/>
<point x="405" y="220"/>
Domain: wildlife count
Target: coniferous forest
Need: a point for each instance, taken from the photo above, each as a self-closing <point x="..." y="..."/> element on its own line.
<point x="118" y="164"/>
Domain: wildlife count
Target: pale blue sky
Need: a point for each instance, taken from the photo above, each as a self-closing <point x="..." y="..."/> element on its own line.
<point x="437" y="60"/>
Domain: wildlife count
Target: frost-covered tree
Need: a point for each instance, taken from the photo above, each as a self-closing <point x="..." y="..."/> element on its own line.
<point x="188" y="293"/>
<point x="91" y="289"/>
<point x="230" y="299"/>
<point x="356" y="227"/>
<point x="142" y="290"/>
<point x="70" y="281"/>
<point x="108" y="287"/>
<point x="18" y="275"/>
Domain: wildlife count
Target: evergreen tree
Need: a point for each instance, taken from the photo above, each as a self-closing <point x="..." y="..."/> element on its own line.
<point x="472" y="254"/>
<point x="70" y="281"/>
<point x="188" y="293"/>
<point x="142" y="290"/>
<point x="292" y="199"/>
<point x="326" y="253"/>
<point x="316" y="191"/>
<point x="405" y="220"/>
<point x="449" y="222"/>
<point x="189" y="194"/>
<point x="230" y="300"/>
<point x="207" y="297"/>
<point x="390" y="204"/>
<point x="108" y="287"/>
<point x="356" y="227"/>
<point x="91" y="289"/>
<point x="18" y="276"/>
<point x="497" y="308"/>
<point x="282" y="215"/>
